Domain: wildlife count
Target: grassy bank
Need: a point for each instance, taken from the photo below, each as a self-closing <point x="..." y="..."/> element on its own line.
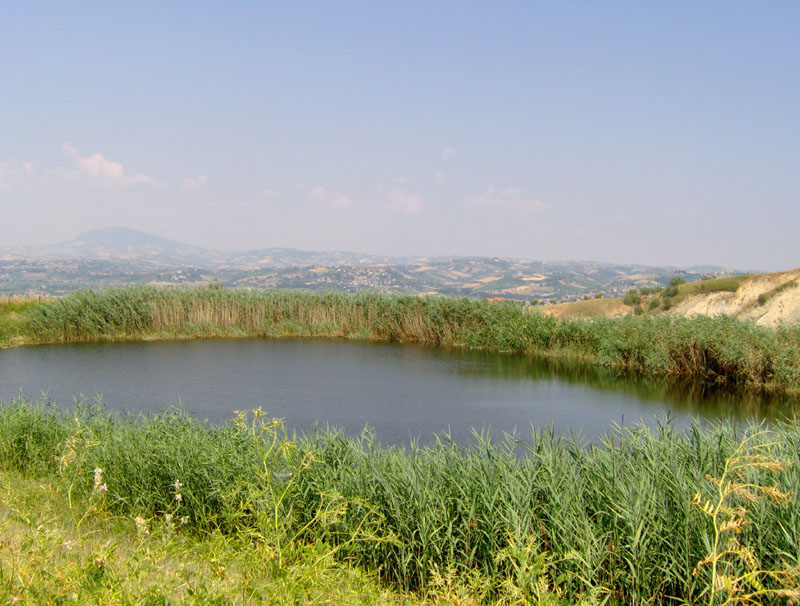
<point x="641" y="518"/>
<point x="51" y="554"/>
<point x="718" y="349"/>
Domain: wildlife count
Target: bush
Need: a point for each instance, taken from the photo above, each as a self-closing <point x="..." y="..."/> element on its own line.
<point x="666" y="302"/>
<point x="653" y="304"/>
<point x="637" y="310"/>
<point x="598" y="295"/>
<point x="762" y="299"/>
<point x="632" y="298"/>
<point x="646" y="291"/>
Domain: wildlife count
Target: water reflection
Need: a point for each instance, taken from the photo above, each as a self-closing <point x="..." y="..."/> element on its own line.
<point x="705" y="399"/>
<point x="402" y="391"/>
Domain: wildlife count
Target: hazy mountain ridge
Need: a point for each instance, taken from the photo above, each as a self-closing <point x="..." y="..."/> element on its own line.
<point x="119" y="255"/>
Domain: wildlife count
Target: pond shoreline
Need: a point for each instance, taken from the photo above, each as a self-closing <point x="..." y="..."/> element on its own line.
<point x="719" y="350"/>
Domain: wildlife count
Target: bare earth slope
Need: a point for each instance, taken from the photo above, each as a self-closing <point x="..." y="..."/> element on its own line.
<point x="779" y="293"/>
<point x="766" y="299"/>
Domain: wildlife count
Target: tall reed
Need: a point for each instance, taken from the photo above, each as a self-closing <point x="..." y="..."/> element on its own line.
<point x="721" y="349"/>
<point x="613" y="519"/>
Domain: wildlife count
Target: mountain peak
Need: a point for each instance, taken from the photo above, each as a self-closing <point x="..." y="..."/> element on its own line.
<point x="122" y="242"/>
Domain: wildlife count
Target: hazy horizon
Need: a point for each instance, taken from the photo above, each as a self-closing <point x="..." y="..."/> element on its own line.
<point x="662" y="135"/>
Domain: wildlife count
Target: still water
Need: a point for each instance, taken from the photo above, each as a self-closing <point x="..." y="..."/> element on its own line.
<point x="401" y="391"/>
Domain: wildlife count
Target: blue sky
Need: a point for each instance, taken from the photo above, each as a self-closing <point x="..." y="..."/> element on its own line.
<point x="624" y="132"/>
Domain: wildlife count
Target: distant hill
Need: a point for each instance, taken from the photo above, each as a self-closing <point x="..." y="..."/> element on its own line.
<point x="117" y="256"/>
<point x="124" y="243"/>
<point x="290" y="257"/>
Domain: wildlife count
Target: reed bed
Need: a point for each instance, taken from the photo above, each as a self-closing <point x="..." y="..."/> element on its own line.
<point x="721" y="349"/>
<point x="612" y="522"/>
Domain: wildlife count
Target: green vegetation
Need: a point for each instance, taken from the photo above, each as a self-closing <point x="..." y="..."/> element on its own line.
<point x="254" y="512"/>
<point x="678" y="290"/>
<point x="764" y="297"/>
<point x="10" y="310"/>
<point x="726" y="284"/>
<point x="632" y="297"/>
<point x="672" y="288"/>
<point x="86" y="554"/>
<point x="718" y="349"/>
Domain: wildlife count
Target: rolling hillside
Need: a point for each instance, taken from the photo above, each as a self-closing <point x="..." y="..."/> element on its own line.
<point x="118" y="256"/>
<point x="766" y="299"/>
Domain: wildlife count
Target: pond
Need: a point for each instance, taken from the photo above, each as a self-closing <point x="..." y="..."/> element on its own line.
<point x="403" y="392"/>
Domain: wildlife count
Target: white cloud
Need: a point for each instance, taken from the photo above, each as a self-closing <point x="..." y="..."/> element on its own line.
<point x="326" y="197"/>
<point x="509" y="198"/>
<point x="401" y="200"/>
<point x="269" y="194"/>
<point x="98" y="167"/>
<point x="448" y="152"/>
<point x="194" y="183"/>
<point x="13" y="174"/>
<point x="440" y="177"/>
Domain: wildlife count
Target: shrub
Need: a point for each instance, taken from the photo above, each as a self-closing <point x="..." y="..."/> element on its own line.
<point x="666" y="302"/>
<point x="632" y="298"/>
<point x="762" y="299"/>
<point x="653" y="304"/>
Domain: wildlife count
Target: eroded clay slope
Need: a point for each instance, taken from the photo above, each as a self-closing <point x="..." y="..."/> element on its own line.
<point x="767" y="299"/>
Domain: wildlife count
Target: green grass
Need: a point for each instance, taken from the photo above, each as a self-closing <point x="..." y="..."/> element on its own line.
<point x="10" y="315"/>
<point x="610" y="521"/>
<point x="725" y="284"/>
<point x="723" y="349"/>
<point x="52" y="554"/>
<point x="675" y="293"/>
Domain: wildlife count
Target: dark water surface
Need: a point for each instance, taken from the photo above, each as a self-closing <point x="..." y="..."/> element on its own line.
<point x="401" y="391"/>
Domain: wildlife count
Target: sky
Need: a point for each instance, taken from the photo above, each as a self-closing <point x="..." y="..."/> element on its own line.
<point x="628" y="132"/>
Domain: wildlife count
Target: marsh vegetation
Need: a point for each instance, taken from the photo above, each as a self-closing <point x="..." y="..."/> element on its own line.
<point x="640" y="516"/>
<point x="627" y="520"/>
<point x="721" y="349"/>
